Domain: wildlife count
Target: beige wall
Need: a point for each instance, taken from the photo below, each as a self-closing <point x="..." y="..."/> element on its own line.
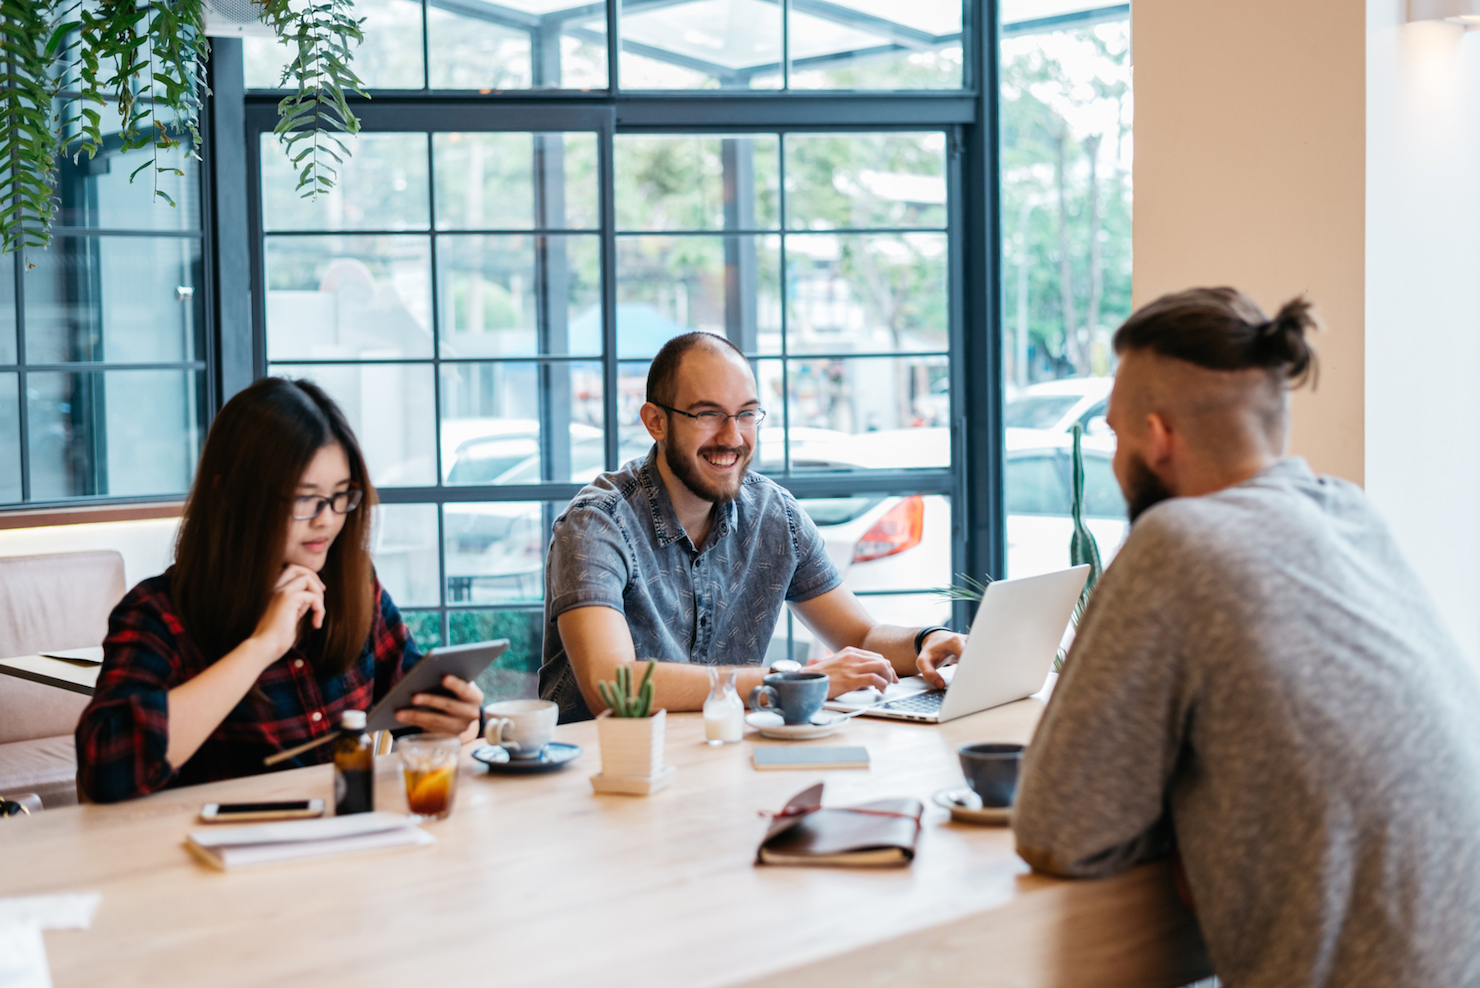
<point x="1249" y="171"/>
<point x="1330" y="147"/>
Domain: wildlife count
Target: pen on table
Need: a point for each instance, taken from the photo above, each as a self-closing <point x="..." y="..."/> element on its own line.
<point x="283" y="756"/>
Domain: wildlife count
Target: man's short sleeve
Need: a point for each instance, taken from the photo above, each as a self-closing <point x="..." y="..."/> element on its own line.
<point x="816" y="573"/>
<point x="589" y="562"/>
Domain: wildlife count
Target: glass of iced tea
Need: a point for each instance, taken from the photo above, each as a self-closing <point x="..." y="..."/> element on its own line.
<point x="429" y="763"/>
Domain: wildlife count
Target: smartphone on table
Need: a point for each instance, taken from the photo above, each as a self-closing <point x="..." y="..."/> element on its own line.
<point x="292" y="809"/>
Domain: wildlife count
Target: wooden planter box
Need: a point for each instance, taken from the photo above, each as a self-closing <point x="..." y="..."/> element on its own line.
<point x="631" y="747"/>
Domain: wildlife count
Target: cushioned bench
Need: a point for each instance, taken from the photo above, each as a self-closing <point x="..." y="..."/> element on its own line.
<point x="49" y="602"/>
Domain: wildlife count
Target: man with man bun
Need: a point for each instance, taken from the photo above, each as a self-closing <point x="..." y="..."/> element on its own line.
<point x="1261" y="685"/>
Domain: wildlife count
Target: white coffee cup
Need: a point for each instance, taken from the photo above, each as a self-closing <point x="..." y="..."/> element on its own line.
<point x="522" y="727"/>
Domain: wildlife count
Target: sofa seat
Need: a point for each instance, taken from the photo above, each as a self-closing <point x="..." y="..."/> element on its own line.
<point x="45" y="766"/>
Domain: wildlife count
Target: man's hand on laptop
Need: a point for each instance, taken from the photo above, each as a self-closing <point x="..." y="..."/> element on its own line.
<point x="854" y="669"/>
<point x="938" y="650"/>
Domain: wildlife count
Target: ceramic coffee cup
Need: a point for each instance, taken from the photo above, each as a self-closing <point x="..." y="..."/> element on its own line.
<point x="522" y="727"/>
<point x="992" y="771"/>
<point x="796" y="696"/>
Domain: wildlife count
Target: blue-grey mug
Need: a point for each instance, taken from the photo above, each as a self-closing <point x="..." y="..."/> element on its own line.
<point x="796" y="696"/>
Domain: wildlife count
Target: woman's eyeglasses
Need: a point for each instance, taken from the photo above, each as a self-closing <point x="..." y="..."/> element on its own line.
<point x="712" y="420"/>
<point x="310" y="506"/>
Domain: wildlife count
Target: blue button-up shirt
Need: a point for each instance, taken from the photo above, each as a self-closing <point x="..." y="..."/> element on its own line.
<point x="619" y="545"/>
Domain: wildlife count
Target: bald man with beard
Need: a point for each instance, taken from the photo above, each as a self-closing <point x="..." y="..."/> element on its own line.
<point x="1261" y="685"/>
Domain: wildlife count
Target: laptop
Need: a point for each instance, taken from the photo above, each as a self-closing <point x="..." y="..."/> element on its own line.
<point x="1008" y="654"/>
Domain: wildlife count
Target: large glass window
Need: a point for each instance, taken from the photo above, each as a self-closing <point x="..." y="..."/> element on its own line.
<point x="689" y="44"/>
<point x="451" y="294"/>
<point x="103" y="336"/>
<point x="1066" y="265"/>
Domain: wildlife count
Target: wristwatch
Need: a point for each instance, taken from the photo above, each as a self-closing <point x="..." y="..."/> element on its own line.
<point x="920" y="635"/>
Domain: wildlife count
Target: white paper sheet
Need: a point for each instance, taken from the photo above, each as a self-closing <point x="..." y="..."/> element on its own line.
<point x="90" y="654"/>
<point x="23" y="957"/>
<point x="67" y="911"/>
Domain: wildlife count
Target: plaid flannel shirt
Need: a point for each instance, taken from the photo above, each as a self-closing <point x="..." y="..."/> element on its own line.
<point x="124" y="733"/>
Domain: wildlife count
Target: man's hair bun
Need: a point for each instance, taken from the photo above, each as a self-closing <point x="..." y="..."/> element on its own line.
<point x="1223" y="329"/>
<point x="1281" y="341"/>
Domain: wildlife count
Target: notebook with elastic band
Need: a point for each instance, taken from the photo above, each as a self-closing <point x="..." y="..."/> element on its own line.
<point x="880" y="834"/>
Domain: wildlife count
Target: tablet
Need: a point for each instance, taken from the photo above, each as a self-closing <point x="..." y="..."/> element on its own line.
<point x="462" y="661"/>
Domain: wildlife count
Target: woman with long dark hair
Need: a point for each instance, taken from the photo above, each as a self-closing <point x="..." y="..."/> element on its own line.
<point x="271" y="621"/>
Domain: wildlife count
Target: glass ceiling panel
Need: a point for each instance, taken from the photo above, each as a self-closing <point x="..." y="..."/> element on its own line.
<point x="813" y="37"/>
<point x="730" y="34"/>
<point x="935" y="17"/>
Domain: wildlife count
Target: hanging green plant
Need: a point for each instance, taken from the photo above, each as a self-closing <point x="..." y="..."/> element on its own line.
<point x="324" y="34"/>
<point x="28" y="141"/>
<point x="145" y="60"/>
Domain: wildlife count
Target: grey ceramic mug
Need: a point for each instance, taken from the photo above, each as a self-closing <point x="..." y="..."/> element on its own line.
<point x="992" y="771"/>
<point x="796" y="696"/>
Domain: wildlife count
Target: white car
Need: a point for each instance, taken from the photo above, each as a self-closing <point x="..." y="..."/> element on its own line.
<point x="891" y="542"/>
<point x="1038" y="478"/>
<point x="1054" y="406"/>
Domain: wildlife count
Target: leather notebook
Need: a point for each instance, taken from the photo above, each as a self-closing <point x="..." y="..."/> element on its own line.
<point x="880" y="834"/>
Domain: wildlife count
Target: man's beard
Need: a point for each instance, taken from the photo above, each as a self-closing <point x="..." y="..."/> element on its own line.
<point x="697" y="484"/>
<point x="1146" y="489"/>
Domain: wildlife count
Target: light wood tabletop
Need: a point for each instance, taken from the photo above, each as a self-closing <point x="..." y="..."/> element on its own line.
<point x="78" y="677"/>
<point x="536" y="881"/>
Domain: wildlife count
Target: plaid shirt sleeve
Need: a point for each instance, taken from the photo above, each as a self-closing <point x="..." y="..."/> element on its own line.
<point x="124" y="733"/>
<point x="123" y="736"/>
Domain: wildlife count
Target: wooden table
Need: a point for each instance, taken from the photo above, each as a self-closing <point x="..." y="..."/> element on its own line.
<point x="79" y="677"/>
<point x="536" y="881"/>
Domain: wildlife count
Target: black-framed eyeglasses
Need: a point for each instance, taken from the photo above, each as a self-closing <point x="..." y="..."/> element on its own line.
<point x="713" y="419"/>
<point x="310" y="506"/>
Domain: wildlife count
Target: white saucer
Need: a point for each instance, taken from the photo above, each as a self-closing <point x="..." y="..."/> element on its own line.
<point x="823" y="723"/>
<point x="966" y="807"/>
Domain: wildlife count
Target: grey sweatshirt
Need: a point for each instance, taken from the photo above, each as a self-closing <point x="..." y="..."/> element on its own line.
<point x="1261" y="680"/>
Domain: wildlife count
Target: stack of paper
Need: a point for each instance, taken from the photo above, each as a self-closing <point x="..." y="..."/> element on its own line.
<point x="235" y="847"/>
<point x="22" y="918"/>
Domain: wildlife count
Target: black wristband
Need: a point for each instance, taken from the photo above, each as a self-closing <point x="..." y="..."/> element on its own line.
<point x="920" y="635"/>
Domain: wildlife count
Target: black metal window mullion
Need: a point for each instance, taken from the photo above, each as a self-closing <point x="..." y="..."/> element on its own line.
<point x="22" y="388"/>
<point x="606" y="172"/>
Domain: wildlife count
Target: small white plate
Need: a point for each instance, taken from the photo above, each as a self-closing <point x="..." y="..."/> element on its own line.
<point x="823" y="723"/>
<point x="966" y="807"/>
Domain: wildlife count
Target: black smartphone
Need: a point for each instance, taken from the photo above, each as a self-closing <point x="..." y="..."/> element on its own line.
<point x="293" y="809"/>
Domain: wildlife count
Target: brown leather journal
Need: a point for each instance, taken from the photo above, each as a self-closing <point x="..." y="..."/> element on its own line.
<point x="880" y="834"/>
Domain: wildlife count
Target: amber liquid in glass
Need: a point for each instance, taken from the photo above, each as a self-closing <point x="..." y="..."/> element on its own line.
<point x="429" y="792"/>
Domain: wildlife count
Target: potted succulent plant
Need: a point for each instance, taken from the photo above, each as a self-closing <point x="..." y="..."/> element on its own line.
<point x="631" y="732"/>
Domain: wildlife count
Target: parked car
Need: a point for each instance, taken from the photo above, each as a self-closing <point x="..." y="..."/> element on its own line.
<point x="1054" y="406"/>
<point x="884" y="543"/>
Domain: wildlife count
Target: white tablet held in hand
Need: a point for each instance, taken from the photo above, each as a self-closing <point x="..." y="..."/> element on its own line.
<point x="463" y="661"/>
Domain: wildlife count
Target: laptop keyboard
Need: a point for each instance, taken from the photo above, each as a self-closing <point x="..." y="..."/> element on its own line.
<point x="920" y="703"/>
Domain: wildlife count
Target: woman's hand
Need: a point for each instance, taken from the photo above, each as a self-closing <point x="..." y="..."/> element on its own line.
<point x="457" y="714"/>
<point x="299" y="591"/>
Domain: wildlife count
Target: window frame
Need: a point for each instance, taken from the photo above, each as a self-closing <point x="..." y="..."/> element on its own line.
<point x="98" y="507"/>
<point x="968" y="118"/>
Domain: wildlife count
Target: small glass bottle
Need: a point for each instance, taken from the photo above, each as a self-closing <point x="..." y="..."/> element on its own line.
<point x="354" y="766"/>
<point x="724" y="712"/>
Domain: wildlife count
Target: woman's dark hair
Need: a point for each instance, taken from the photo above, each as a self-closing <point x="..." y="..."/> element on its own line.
<point x="664" y="368"/>
<point x="1222" y="329"/>
<point x="229" y="553"/>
